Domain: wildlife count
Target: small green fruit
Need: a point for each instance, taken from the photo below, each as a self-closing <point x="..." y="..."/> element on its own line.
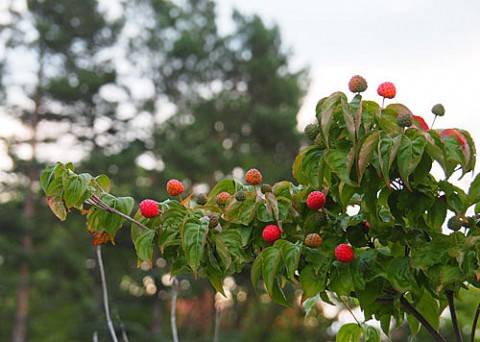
<point x="438" y="109"/>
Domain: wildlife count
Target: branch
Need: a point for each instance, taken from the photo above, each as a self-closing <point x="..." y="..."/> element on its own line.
<point x="422" y="320"/>
<point x="105" y="294"/>
<point x="173" y="320"/>
<point x="474" y="324"/>
<point x="97" y="202"/>
<point x="453" y="314"/>
<point x="218" y="318"/>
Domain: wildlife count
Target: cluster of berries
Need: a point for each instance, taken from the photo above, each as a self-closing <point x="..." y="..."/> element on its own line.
<point x="149" y="208"/>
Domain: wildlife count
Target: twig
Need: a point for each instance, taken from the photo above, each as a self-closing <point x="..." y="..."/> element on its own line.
<point x="474" y="324"/>
<point x="350" y="310"/>
<point x="173" y="320"/>
<point x="422" y="320"/>
<point x="94" y="200"/>
<point x="453" y="314"/>
<point x="218" y="318"/>
<point x="105" y="294"/>
<point x="95" y="337"/>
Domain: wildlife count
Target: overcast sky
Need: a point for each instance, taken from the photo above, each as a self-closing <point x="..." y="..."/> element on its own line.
<point x="430" y="49"/>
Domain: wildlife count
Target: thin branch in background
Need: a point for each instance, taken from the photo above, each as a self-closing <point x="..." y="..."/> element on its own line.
<point x="421" y="319"/>
<point x="453" y="314"/>
<point x="474" y="324"/>
<point x="173" y="319"/>
<point x="105" y="294"/>
<point x="349" y="310"/>
<point x="95" y="337"/>
<point x="124" y="333"/>
<point x="218" y="319"/>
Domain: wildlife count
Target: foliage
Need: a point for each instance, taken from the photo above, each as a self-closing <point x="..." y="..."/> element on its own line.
<point x="404" y="266"/>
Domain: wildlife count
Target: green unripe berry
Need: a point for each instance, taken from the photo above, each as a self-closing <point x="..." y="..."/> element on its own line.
<point x="240" y="196"/>
<point x="202" y="199"/>
<point x="455" y="223"/>
<point x="266" y="188"/>
<point x="311" y="131"/>
<point x="438" y="109"/>
<point x="404" y="120"/>
<point x="213" y="221"/>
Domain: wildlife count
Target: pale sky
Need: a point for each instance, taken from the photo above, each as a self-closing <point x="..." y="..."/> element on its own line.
<point x="430" y="49"/>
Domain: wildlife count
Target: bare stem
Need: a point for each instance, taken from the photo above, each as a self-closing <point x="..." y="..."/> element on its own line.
<point x="422" y="320"/>
<point x="105" y="294"/>
<point x="453" y="314"/>
<point x="173" y="320"/>
<point x="474" y="324"/>
<point x="218" y="319"/>
<point x="350" y="310"/>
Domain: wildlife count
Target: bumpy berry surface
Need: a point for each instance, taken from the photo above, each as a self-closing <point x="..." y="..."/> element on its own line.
<point x="387" y="89"/>
<point x="316" y="200"/>
<point x="357" y="84"/>
<point x="438" y="109"/>
<point x="174" y="187"/>
<point x="344" y="253"/>
<point x="404" y="120"/>
<point x="311" y="131"/>
<point x="313" y="240"/>
<point x="455" y="223"/>
<point x="149" y="208"/>
<point x="213" y="221"/>
<point x="202" y="199"/>
<point x="271" y="233"/>
<point x="266" y="188"/>
<point x="222" y="198"/>
<point x="240" y="196"/>
<point x="253" y="177"/>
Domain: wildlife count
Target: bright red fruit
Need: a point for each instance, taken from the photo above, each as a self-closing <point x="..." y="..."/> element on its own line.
<point x="271" y="233"/>
<point x="344" y="253"/>
<point x="253" y="177"/>
<point x="387" y="89"/>
<point x="149" y="208"/>
<point x="174" y="187"/>
<point x="367" y="224"/>
<point x="316" y="200"/>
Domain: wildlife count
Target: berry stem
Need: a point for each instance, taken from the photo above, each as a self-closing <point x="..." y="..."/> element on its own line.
<point x="349" y="310"/>
<point x="433" y="123"/>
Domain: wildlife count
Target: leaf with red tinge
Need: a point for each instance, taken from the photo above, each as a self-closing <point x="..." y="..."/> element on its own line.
<point x="419" y="122"/>
<point x="100" y="238"/>
<point x="464" y="147"/>
<point x="454" y="133"/>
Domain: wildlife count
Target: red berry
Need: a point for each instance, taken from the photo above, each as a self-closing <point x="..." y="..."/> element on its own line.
<point x="387" y="89"/>
<point x="344" y="253"/>
<point x="316" y="200"/>
<point x="313" y="240"/>
<point x="149" y="208"/>
<point x="222" y="198"/>
<point x="253" y="177"/>
<point x="357" y="84"/>
<point x="271" y="233"/>
<point x="367" y="225"/>
<point x="174" y="187"/>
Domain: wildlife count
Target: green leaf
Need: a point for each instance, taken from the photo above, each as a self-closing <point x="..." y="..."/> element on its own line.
<point x="193" y="233"/>
<point x="228" y="185"/>
<point x="349" y="119"/>
<point x="367" y="145"/>
<point x="256" y="271"/>
<point x="350" y="332"/>
<point x="99" y="220"/>
<point x="325" y="114"/>
<point x="312" y="281"/>
<point x="410" y="154"/>
<point x="47" y="177"/>
<point x="371" y="334"/>
<point x="104" y="182"/>
<point x="474" y="191"/>
<point x="241" y="212"/>
<point x="309" y="303"/>
<point x="229" y="243"/>
<point x="76" y="189"/>
<point x="144" y="244"/>
<point x="271" y="262"/>
<point x="387" y="150"/>
<point x="291" y="253"/>
<point x="340" y="162"/>
<point x="306" y="166"/>
<point x="436" y="214"/>
<point x="429" y="308"/>
<point x="216" y="278"/>
<point x="400" y="274"/>
<point x="55" y="201"/>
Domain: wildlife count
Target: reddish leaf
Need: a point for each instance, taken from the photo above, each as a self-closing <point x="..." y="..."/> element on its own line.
<point x="454" y="133"/>
<point x="100" y="238"/>
<point x="419" y="122"/>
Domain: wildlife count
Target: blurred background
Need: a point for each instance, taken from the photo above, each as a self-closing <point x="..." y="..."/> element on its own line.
<point x="148" y="90"/>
